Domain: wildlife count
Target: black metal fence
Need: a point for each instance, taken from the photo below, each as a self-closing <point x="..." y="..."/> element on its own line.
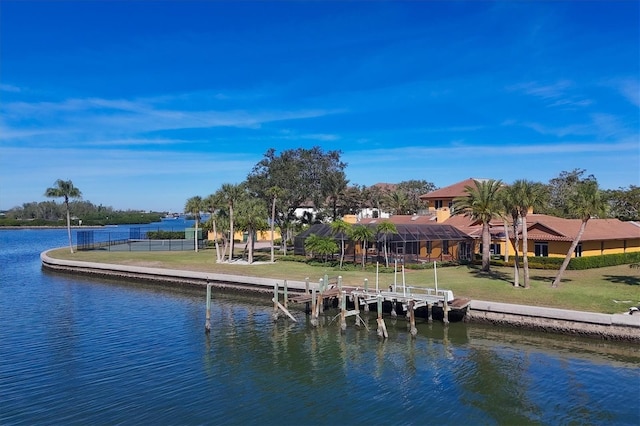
<point x="134" y="239"/>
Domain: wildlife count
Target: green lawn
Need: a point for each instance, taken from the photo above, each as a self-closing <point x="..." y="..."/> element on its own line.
<point x="594" y="290"/>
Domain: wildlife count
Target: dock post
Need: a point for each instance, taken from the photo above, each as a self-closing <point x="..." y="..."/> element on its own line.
<point x="339" y="282"/>
<point x="394" y="314"/>
<point x="356" y="306"/>
<point x="445" y="310"/>
<point x="382" y="328"/>
<point x="343" y="310"/>
<point x="429" y="313"/>
<point x="306" y="285"/>
<point x="324" y="282"/>
<point x="275" y="301"/>
<point x="207" y="323"/>
<point x="286" y="296"/>
<point x="366" y="290"/>
<point x="314" y="308"/>
<point x="412" y="319"/>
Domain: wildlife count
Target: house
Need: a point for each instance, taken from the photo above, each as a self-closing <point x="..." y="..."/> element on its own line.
<point x="419" y="239"/>
<point x="547" y="235"/>
<point x="440" y="201"/>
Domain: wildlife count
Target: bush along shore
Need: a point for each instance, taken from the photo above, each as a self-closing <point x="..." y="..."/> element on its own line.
<point x="619" y="326"/>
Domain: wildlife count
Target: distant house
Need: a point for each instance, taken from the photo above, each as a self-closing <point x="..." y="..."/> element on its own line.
<point x="440" y="201"/>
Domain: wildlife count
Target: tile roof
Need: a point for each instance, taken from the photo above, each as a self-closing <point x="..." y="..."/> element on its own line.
<point x="451" y="191"/>
<point x="541" y="227"/>
<point x="545" y="227"/>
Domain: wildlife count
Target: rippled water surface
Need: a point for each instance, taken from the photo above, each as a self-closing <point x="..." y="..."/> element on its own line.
<point x="82" y="351"/>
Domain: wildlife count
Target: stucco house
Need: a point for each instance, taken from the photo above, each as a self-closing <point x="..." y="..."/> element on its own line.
<point x="548" y="236"/>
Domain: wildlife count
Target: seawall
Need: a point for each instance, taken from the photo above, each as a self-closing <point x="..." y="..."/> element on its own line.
<point x="604" y="326"/>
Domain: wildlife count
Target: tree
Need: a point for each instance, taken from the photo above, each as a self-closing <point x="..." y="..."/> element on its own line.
<point x="321" y="246"/>
<point x="302" y="174"/>
<point x="413" y="189"/>
<point x="511" y="210"/>
<point x="274" y="192"/>
<point x="194" y="205"/>
<point x="397" y="202"/>
<point x="211" y="203"/>
<point x="481" y="204"/>
<point x="560" y="189"/>
<point x="385" y="228"/>
<point x="362" y="234"/>
<point x="65" y="189"/>
<point x="624" y="203"/>
<point x="335" y="187"/>
<point x="231" y="194"/>
<point x="341" y="229"/>
<point x="527" y="196"/>
<point x="251" y="217"/>
<point x="584" y="203"/>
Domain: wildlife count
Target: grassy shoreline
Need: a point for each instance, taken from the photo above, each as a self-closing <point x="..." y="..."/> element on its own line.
<point x="604" y="290"/>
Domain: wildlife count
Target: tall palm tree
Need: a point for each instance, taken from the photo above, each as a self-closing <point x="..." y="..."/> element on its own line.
<point x="362" y="234"/>
<point x="510" y="210"/>
<point x="65" y="189"/>
<point x="211" y="203"/>
<point x="231" y="194"/>
<point x="274" y="192"/>
<point x="527" y="196"/>
<point x="194" y="205"/>
<point x="481" y="204"/>
<point x="397" y="202"/>
<point x="342" y="230"/>
<point x="585" y="202"/>
<point x="385" y="228"/>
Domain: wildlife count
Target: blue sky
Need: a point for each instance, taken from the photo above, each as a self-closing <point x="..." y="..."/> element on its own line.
<point x="145" y="104"/>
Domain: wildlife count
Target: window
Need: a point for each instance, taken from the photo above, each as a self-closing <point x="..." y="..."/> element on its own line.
<point x="578" y="251"/>
<point x="494" y="249"/>
<point x="541" y="249"/>
<point x="445" y="247"/>
<point x="438" y="204"/>
<point x="428" y="247"/>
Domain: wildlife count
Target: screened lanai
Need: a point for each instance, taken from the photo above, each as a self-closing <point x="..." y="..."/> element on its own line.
<point x="412" y="243"/>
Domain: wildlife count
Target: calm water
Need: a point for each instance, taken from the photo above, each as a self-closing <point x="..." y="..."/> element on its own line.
<point x="90" y="352"/>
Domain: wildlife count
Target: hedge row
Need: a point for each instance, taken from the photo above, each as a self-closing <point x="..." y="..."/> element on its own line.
<point x="576" y="263"/>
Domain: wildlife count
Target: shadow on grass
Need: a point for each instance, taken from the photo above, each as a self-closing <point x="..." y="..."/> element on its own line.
<point x="623" y="279"/>
<point x="549" y="279"/>
<point x="493" y="275"/>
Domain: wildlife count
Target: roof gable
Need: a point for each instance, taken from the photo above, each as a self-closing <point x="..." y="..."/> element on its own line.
<point x="451" y="191"/>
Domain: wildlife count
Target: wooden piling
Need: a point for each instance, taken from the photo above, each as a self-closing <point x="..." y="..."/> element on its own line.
<point x="286" y="296"/>
<point x="343" y="311"/>
<point x="382" y="328"/>
<point x="207" y="323"/>
<point x="429" y="313"/>
<point x="314" y="308"/>
<point x="445" y="310"/>
<point x="275" y="301"/>
<point x="412" y="319"/>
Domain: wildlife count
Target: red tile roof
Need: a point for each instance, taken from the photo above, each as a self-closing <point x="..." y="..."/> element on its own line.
<point x="545" y="227"/>
<point x="541" y="227"/>
<point x="451" y="191"/>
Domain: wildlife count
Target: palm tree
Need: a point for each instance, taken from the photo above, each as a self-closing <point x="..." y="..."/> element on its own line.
<point x="64" y="188"/>
<point x="274" y="192"/>
<point x="397" y="202"/>
<point x="211" y="203"/>
<point x="481" y="204"/>
<point x="527" y="196"/>
<point x="585" y="202"/>
<point x="231" y="194"/>
<point x="194" y="206"/>
<point x="385" y="228"/>
<point x="341" y="229"/>
<point x="362" y="234"/>
<point x="510" y="210"/>
<point x="251" y="214"/>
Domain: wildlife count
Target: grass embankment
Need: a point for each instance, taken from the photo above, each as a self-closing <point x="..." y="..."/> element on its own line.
<point x="606" y="290"/>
